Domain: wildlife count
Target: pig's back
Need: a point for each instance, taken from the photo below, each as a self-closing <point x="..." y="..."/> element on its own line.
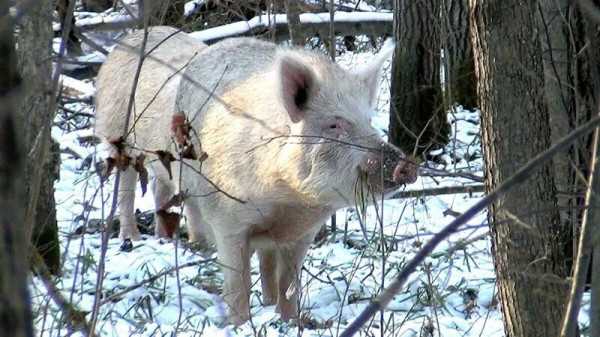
<point x="218" y="68"/>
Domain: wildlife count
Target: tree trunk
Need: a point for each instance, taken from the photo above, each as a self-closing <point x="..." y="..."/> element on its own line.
<point x="527" y="235"/>
<point x="166" y="12"/>
<point x="15" y="311"/>
<point x="417" y="117"/>
<point x="45" y="230"/>
<point x="460" y="70"/>
<point x="34" y="62"/>
<point x="292" y="10"/>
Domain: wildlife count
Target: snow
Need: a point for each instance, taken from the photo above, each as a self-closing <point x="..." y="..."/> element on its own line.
<point x="263" y="21"/>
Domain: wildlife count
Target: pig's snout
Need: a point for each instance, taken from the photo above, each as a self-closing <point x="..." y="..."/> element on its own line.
<point x="405" y="172"/>
<point x="396" y="167"/>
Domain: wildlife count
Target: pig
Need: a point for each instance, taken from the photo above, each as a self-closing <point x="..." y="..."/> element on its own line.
<point x="287" y="140"/>
<point x="154" y="105"/>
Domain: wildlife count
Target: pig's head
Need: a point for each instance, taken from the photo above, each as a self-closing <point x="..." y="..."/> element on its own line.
<point x="334" y="150"/>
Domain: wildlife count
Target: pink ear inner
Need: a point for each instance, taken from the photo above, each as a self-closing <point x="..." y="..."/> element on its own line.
<point x="296" y="82"/>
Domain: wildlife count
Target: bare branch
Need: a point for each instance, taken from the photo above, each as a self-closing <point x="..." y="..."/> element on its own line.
<point x="521" y="175"/>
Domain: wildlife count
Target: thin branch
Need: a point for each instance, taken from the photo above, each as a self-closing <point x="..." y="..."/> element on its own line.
<point x="428" y="192"/>
<point x="75" y="317"/>
<point x="521" y="175"/>
<point x="153" y="278"/>
<point x="582" y="261"/>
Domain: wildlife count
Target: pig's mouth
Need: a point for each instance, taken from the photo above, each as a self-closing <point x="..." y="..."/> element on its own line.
<point x="403" y="172"/>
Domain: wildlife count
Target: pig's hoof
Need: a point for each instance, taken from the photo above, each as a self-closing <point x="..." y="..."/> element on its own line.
<point x="126" y="246"/>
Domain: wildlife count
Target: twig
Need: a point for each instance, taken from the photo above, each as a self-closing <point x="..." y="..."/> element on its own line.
<point x="106" y="233"/>
<point x="521" y="175"/>
<point x="584" y="250"/>
<point x="427" y="192"/>
<point x="75" y="317"/>
<point x="154" y="278"/>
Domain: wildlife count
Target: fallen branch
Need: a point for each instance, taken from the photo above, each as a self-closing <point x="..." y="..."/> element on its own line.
<point x="427" y="192"/>
<point x="381" y="301"/>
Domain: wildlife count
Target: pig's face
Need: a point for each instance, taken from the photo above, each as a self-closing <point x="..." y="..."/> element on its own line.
<point x="339" y="150"/>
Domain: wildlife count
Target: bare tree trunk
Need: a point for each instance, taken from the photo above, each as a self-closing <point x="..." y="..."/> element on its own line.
<point x="460" y="86"/>
<point x="15" y="311"/>
<point x="73" y="43"/>
<point x="34" y="62"/>
<point x="97" y="5"/>
<point x="417" y="117"/>
<point x="292" y="10"/>
<point x="528" y="237"/>
<point x="166" y="12"/>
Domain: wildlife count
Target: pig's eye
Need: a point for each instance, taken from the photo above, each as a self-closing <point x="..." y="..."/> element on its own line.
<point x="333" y="126"/>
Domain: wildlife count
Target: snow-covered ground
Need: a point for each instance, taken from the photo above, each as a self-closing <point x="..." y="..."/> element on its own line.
<point x="452" y="294"/>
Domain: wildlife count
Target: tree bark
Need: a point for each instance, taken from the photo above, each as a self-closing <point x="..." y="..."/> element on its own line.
<point x="417" y="116"/>
<point x="292" y="10"/>
<point x="15" y="310"/>
<point x="460" y="86"/>
<point x="527" y="243"/>
<point x="165" y="12"/>
<point x="35" y="65"/>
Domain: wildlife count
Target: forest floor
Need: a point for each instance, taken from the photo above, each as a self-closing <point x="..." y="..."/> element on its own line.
<point x="452" y="294"/>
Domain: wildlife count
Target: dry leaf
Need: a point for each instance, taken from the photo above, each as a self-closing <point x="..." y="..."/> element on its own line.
<point x="143" y="173"/>
<point x="166" y="158"/>
<point x="180" y="128"/>
<point x="188" y="152"/>
<point x="175" y="201"/>
<point x="170" y="220"/>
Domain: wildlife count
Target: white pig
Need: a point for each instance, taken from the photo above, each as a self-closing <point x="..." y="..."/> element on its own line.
<point x="288" y="140"/>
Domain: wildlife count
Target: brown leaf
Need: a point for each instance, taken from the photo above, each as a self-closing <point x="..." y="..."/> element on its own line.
<point x="166" y="158"/>
<point x="107" y="168"/>
<point x="188" y="152"/>
<point x="119" y="143"/>
<point x="180" y="128"/>
<point x="170" y="221"/>
<point x="122" y="161"/>
<point x="143" y="173"/>
<point x="176" y="200"/>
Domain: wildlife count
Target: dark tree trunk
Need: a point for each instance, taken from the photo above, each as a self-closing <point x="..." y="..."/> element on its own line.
<point x="417" y="116"/>
<point x="45" y="229"/>
<point x="34" y="62"/>
<point x="528" y="237"/>
<point x="166" y="12"/>
<point x="292" y="10"/>
<point x="73" y="43"/>
<point x="15" y="310"/>
<point x="460" y="86"/>
<point x="97" y="5"/>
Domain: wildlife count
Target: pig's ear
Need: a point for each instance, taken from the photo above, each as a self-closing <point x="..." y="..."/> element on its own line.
<point x="370" y="73"/>
<point x="297" y="82"/>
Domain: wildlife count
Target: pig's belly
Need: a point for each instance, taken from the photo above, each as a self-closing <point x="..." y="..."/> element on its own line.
<point x="287" y="225"/>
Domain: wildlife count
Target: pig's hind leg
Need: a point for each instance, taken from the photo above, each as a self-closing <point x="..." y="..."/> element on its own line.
<point x="268" y="275"/>
<point x="162" y="191"/>
<point x="128" y="228"/>
<point x="289" y="264"/>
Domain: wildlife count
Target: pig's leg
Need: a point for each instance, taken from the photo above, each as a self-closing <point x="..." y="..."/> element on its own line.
<point x="162" y="191"/>
<point x="197" y="230"/>
<point x="289" y="264"/>
<point x="234" y="256"/>
<point x="268" y="275"/>
<point x="128" y="229"/>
